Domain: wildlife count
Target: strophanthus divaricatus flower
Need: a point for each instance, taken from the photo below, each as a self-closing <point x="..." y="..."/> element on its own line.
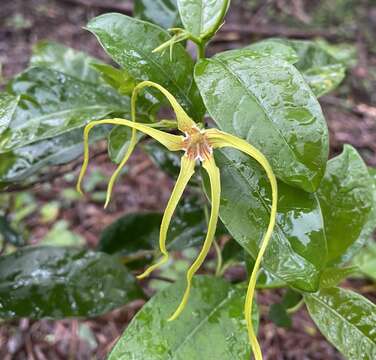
<point x="197" y="145"/>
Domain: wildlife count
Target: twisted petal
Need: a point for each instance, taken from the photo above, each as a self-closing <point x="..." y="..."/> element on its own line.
<point x="172" y="142"/>
<point x="186" y="172"/>
<point x="220" y="139"/>
<point x="215" y="185"/>
<point x="184" y="121"/>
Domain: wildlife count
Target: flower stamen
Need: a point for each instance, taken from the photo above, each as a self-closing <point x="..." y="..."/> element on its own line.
<point x="196" y="144"/>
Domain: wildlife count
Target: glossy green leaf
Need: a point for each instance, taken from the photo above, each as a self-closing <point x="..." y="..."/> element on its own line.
<point x="202" y="18"/>
<point x="211" y="327"/>
<point x="59" y="282"/>
<point x="66" y="60"/>
<point x="275" y="47"/>
<point x="8" y="105"/>
<point x="117" y="78"/>
<point x="347" y="320"/>
<point x="345" y="195"/>
<point x="20" y="164"/>
<point x="297" y="251"/>
<point x="9" y="234"/>
<point x="164" y="13"/>
<point x="130" y="43"/>
<point x="332" y="276"/>
<point x="266" y="101"/>
<point x="53" y="103"/>
<point x="166" y="160"/>
<point x="322" y="65"/>
<point x="279" y="315"/>
<point x="365" y="260"/>
<point x="368" y="228"/>
<point x="323" y="70"/>
<point x="118" y="142"/>
<point x="318" y="53"/>
<point x="140" y="231"/>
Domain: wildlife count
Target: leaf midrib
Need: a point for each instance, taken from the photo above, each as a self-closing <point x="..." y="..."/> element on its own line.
<point x="236" y="77"/>
<point x="324" y="304"/>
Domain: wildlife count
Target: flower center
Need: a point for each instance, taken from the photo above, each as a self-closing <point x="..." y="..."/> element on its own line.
<point x="196" y="144"/>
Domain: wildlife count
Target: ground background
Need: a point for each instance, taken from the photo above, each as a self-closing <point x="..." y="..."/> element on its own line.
<point x="351" y="115"/>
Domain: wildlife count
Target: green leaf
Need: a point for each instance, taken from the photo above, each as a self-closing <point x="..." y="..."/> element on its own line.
<point x="130" y="43"/>
<point x="202" y="18"/>
<point x="10" y="235"/>
<point x="166" y="160"/>
<point x="118" y="142"/>
<point x="297" y="251"/>
<point x="8" y="105"/>
<point x="347" y="320"/>
<point x="60" y="235"/>
<point x="60" y="282"/>
<point x="66" y="60"/>
<point x="160" y="12"/>
<point x="275" y="47"/>
<point x="20" y="164"/>
<point x="365" y="260"/>
<point x="332" y="276"/>
<point x="279" y="315"/>
<point x="213" y="316"/>
<point x="266" y="101"/>
<point x="322" y="65"/>
<point x="368" y="228"/>
<point x="117" y="78"/>
<point x="322" y="71"/>
<point x="140" y="231"/>
<point x="345" y="195"/>
<point x="53" y="103"/>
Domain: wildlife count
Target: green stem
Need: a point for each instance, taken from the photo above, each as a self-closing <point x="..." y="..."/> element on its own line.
<point x="296" y="307"/>
<point x="201" y="50"/>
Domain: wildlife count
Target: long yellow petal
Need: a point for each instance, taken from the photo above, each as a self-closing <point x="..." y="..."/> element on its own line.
<point x="215" y="185"/>
<point x="184" y="121"/>
<point x="221" y="139"/>
<point x="186" y="172"/>
<point x="171" y="142"/>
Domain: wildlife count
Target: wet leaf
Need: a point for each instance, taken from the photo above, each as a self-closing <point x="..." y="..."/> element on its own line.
<point x="275" y="47"/>
<point x="322" y="65"/>
<point x="10" y="235"/>
<point x="117" y="78"/>
<point x="347" y="320"/>
<point x="365" y="260"/>
<point x="60" y="282"/>
<point x="53" y="103"/>
<point x="140" y="231"/>
<point x="164" y="13"/>
<point x="266" y="101"/>
<point x="345" y="195"/>
<point x="297" y="251"/>
<point x="66" y="60"/>
<point x="130" y="43"/>
<point x="332" y="276"/>
<point x="8" y="104"/>
<point x="214" y="315"/>
<point x="20" y="164"/>
<point x="202" y="18"/>
<point x="166" y="160"/>
<point x="279" y="315"/>
<point x="118" y="142"/>
<point x="368" y="229"/>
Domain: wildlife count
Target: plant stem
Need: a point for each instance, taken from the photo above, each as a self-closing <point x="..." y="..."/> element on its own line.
<point x="201" y="50"/>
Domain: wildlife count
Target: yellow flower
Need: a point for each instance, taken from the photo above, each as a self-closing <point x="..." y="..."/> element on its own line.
<point x="197" y="145"/>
